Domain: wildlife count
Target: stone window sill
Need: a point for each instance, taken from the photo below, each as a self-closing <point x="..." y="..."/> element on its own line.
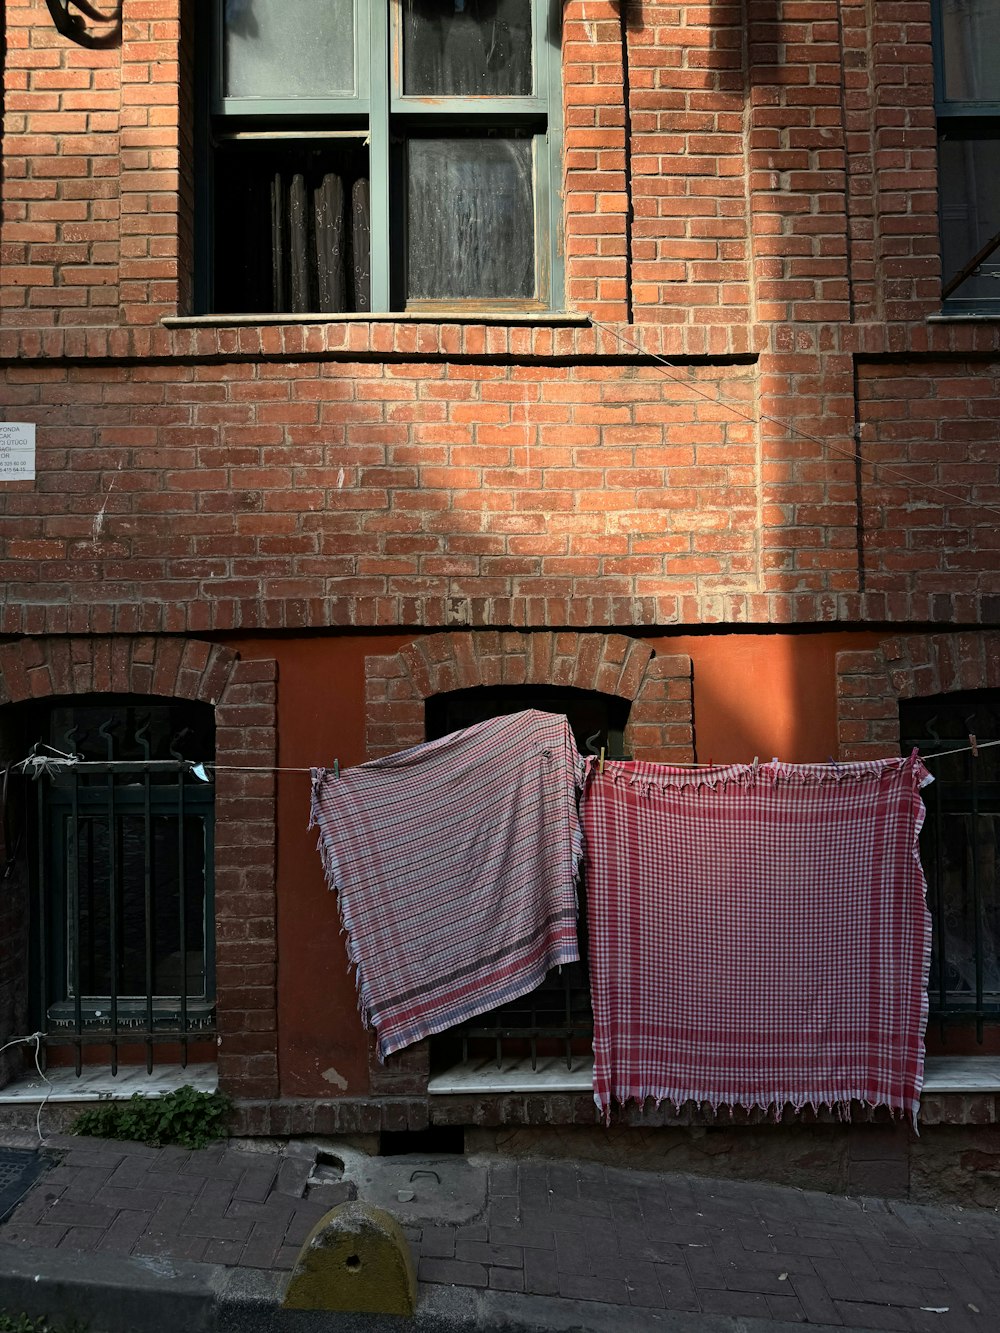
<point x="533" y="318"/>
<point x="942" y="1074"/>
<point x="957" y="318"/>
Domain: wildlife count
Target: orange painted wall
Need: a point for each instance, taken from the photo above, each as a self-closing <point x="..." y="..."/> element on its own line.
<point x="763" y="694"/>
<point x="322" y="1045"/>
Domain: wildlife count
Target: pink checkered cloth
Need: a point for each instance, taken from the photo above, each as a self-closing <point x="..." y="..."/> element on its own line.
<point x="758" y="937"/>
<point x="456" y="865"/>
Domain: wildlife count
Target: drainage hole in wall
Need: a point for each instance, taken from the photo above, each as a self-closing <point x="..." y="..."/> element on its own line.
<point x="434" y="1140"/>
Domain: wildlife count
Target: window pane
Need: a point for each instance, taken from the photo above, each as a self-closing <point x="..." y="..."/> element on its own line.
<point x="971" y="32"/>
<point x="467" y="48"/>
<point x="970" y="215"/>
<point x="470" y="219"/>
<point x="289" y="48"/>
<point x="292" y="229"/>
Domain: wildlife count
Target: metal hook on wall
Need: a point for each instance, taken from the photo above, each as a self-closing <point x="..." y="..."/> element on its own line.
<point x="73" y="27"/>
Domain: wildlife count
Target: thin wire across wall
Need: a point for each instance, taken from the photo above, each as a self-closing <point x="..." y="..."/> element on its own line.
<point x="36" y="765"/>
<point x="667" y="366"/>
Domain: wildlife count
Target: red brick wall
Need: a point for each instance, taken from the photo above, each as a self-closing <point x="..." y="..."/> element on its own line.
<point x="773" y="164"/>
<point x="763" y="200"/>
<point x="658" y="687"/>
<point x="226" y="495"/>
<point x="61" y="166"/>
<point x="871" y="683"/>
<point x="929" y="430"/>
<point x="243" y="694"/>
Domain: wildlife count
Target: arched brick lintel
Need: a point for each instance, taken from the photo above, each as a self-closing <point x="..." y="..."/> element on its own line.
<point x="244" y="696"/>
<point x="871" y="683"/>
<point x="176" y="668"/>
<point x="660" y="723"/>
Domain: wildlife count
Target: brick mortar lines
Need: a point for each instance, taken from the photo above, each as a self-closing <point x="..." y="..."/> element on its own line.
<point x="490" y="344"/>
<point x="757" y="610"/>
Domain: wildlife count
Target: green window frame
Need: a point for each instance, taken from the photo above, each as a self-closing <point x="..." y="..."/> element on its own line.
<point x="966" y="38"/>
<point x="512" y="141"/>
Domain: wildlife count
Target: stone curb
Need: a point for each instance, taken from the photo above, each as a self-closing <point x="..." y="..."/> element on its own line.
<point x="154" y="1295"/>
<point x="106" y="1293"/>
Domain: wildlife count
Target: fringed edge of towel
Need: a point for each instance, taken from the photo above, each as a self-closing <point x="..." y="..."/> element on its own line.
<point x="773" y="1108"/>
<point x="334" y="882"/>
<point x="649" y="777"/>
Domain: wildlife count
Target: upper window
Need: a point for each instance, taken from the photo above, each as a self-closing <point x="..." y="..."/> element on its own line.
<point x="364" y="158"/>
<point x="967" y="79"/>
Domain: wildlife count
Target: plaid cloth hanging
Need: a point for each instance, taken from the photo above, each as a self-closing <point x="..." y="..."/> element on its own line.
<point x="455" y="865"/>
<point x="758" y="937"/>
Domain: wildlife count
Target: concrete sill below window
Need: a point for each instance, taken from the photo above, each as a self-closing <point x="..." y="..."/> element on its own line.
<point x="958" y="318"/>
<point x="540" y="318"/>
<point x="515" y="1075"/>
<point x="96" y="1083"/>
<point x="942" y="1074"/>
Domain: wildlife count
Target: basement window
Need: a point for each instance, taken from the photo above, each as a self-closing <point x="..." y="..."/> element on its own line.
<point x="960" y="852"/>
<point x="546" y="1037"/>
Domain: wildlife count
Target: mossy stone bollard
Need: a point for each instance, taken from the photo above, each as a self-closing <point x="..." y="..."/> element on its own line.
<point x="356" y="1259"/>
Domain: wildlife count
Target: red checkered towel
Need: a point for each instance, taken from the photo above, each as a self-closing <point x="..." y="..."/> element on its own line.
<point x="758" y="937"/>
<point x="455" y="865"/>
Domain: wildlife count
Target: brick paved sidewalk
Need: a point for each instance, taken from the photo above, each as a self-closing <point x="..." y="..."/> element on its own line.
<point x="683" y="1243"/>
<point x="573" y="1231"/>
<point x="219" y="1205"/>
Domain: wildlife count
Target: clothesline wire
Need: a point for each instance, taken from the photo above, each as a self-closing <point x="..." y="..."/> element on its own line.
<point x="677" y="763"/>
<point x="888" y="468"/>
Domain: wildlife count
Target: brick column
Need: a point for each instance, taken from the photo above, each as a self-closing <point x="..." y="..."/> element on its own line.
<point x="245" y="904"/>
<point x="596" y="204"/>
<point x="151" y="197"/>
<point x="60" y="175"/>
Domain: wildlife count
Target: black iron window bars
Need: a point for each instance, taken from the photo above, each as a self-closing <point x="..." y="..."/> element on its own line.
<point x="122" y="940"/>
<point x="960" y="851"/>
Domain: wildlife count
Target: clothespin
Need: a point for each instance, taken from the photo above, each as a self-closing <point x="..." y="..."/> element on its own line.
<point x="973" y="744"/>
<point x="336" y="768"/>
<point x="600" y="761"/>
<point x="756" y="764"/>
<point x="834" y="763"/>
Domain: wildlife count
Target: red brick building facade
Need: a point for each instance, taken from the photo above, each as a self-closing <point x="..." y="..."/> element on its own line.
<point x="733" y="466"/>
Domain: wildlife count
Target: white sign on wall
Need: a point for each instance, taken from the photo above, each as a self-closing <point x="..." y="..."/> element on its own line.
<point x="17" y="451"/>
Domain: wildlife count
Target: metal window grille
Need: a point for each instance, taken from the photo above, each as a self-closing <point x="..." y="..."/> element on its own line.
<point x="556" y="1020"/>
<point x="123" y="945"/>
<point x="960" y="852"/>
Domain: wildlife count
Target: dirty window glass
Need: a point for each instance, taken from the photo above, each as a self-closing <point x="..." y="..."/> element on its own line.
<point x="288" y="48"/>
<point x="971" y="37"/>
<point x="467" y="48"/>
<point x="470" y="215"/>
<point x="970" y="214"/>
